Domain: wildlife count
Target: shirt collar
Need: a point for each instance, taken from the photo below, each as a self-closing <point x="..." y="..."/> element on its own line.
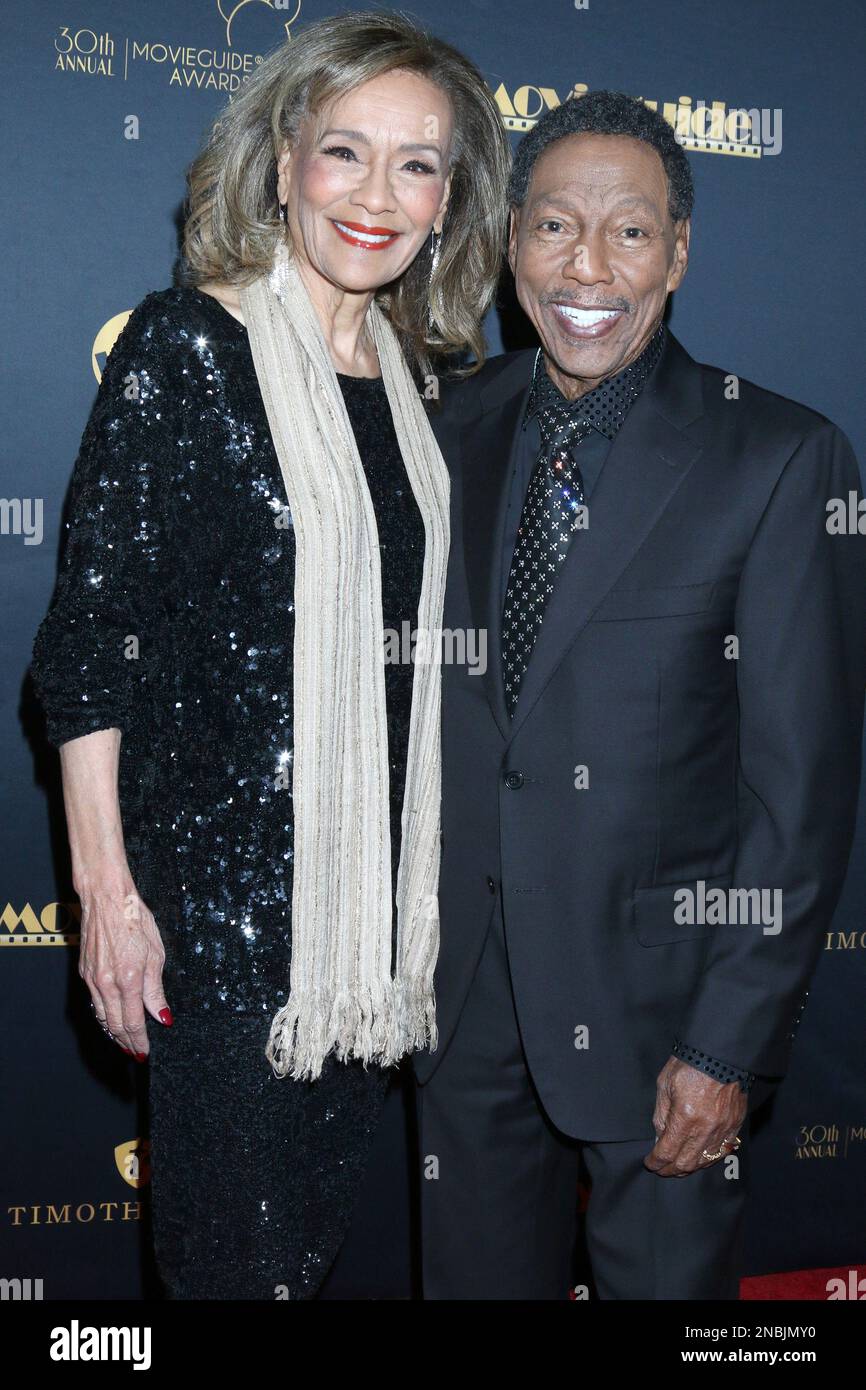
<point x="606" y="405"/>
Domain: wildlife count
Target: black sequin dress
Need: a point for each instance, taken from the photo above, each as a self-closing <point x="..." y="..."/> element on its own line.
<point x="173" y="621"/>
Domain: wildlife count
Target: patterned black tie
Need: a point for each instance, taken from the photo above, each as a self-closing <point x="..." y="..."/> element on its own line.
<point x="554" y="506"/>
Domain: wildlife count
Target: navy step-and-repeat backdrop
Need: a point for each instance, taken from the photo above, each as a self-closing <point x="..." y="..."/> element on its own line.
<point x="104" y="106"/>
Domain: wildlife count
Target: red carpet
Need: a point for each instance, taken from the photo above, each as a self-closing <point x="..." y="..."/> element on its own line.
<point x="806" y="1284"/>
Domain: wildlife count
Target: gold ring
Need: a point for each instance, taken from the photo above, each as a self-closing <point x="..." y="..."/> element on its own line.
<point x="734" y="1143"/>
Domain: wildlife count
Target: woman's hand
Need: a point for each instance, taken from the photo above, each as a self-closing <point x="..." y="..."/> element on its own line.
<point x="122" y="954"/>
<point x="121" y="962"/>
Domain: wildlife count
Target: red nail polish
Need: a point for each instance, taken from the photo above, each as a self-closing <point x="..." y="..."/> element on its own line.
<point x="128" y="1051"/>
<point x="141" y="1056"/>
<point x="165" y="1016"/>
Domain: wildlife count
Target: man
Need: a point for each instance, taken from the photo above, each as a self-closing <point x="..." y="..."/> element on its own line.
<point x="649" y="798"/>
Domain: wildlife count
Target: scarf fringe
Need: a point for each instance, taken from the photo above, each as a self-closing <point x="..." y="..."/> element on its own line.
<point x="379" y="1027"/>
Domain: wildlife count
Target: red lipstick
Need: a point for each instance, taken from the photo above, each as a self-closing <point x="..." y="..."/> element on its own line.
<point x="368" y="238"/>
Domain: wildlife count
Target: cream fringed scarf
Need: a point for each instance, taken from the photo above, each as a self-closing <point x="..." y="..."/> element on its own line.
<point x="342" y="995"/>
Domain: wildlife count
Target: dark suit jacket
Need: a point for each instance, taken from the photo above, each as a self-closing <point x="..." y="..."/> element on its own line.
<point x="708" y="520"/>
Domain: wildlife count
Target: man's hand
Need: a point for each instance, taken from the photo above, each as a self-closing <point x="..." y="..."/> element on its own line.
<point x="693" y="1112"/>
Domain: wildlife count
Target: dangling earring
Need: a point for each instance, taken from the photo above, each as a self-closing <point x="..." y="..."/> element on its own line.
<point x="435" y="248"/>
<point x="278" y="278"/>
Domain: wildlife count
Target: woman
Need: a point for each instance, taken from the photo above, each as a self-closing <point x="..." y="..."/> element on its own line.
<point x="258" y="494"/>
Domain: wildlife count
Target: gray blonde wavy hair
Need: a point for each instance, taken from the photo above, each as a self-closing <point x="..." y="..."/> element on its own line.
<point x="232" y="221"/>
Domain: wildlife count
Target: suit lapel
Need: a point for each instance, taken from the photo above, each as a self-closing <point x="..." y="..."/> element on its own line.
<point x="488" y="444"/>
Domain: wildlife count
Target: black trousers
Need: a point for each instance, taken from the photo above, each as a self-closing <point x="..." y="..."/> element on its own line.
<point x="499" y="1182"/>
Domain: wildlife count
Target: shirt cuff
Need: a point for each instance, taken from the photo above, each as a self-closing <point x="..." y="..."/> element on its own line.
<point x="711" y="1066"/>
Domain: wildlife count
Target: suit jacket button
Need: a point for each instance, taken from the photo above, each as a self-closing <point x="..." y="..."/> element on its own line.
<point x="491" y="884"/>
<point x="513" y="780"/>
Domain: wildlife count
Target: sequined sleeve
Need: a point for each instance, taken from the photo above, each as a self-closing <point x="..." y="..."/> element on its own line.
<point x="91" y="652"/>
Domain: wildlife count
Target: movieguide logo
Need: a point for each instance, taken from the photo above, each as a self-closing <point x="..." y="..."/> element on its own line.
<point x="77" y="1343"/>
